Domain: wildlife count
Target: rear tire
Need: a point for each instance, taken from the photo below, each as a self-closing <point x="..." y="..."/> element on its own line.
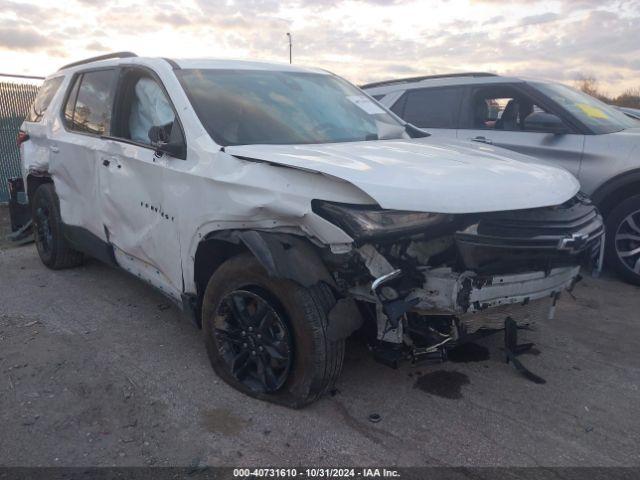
<point x="53" y="248"/>
<point x="623" y="239"/>
<point x="306" y="363"/>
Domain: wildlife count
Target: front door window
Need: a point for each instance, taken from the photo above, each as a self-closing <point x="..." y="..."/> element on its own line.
<point x="150" y="108"/>
<point x="502" y="108"/>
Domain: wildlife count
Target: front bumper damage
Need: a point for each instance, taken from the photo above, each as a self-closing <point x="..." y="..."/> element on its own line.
<point x="473" y="302"/>
<point x="482" y="277"/>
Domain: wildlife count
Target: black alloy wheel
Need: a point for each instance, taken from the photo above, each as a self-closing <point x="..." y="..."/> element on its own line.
<point x="254" y="340"/>
<point x="268" y="337"/>
<point x="43" y="233"/>
<point x="53" y="248"/>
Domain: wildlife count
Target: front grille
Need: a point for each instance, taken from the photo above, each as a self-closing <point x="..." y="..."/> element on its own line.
<point x="536" y="238"/>
<point x="539" y="223"/>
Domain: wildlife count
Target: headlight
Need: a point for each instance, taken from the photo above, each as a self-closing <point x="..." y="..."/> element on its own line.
<point x="363" y="222"/>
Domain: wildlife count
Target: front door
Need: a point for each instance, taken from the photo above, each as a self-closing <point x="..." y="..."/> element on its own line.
<point x="142" y="228"/>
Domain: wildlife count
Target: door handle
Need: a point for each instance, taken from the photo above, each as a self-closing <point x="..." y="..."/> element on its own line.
<point x="54" y="149"/>
<point x="481" y="139"/>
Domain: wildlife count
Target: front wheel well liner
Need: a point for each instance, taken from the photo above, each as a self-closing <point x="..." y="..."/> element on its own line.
<point x="34" y="181"/>
<point x="616" y="190"/>
<point x="282" y="256"/>
<point x="211" y="253"/>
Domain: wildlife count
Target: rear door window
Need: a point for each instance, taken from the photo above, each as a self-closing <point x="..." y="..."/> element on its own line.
<point x="43" y="99"/>
<point x="432" y="107"/>
<point x="90" y="102"/>
<point x="71" y="101"/>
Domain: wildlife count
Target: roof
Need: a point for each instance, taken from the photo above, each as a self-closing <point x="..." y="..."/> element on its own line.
<point x="426" y="77"/>
<point x="438" y="81"/>
<point x="118" y="58"/>
<point x="214" y="63"/>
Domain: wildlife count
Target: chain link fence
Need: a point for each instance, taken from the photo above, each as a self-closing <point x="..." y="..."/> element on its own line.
<point x="16" y="96"/>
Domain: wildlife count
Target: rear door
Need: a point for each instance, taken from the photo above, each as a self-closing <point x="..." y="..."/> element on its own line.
<point x="437" y="109"/>
<point x="77" y="153"/>
<point x="495" y="114"/>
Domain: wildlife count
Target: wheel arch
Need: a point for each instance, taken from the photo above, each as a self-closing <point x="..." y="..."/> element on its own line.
<point x="34" y="180"/>
<point x="616" y="190"/>
<point x="282" y="255"/>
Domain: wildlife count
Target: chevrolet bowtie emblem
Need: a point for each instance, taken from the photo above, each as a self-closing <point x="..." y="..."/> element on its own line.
<point x="575" y="242"/>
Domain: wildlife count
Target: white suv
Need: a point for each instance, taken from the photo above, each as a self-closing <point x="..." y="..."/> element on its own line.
<point x="284" y="209"/>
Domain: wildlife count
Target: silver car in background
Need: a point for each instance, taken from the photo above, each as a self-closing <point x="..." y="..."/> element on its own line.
<point x="547" y="121"/>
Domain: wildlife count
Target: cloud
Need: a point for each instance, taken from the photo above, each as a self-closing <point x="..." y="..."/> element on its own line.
<point x="175" y="19"/>
<point x="538" y="19"/>
<point x="29" y="13"/>
<point x="364" y="40"/>
<point x="97" y="46"/>
<point x="21" y="38"/>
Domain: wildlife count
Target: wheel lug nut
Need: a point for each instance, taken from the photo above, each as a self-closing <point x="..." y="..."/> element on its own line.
<point x="245" y="345"/>
<point x="259" y="336"/>
<point x="260" y="348"/>
<point x="253" y="352"/>
<point x="251" y="329"/>
<point x="243" y="333"/>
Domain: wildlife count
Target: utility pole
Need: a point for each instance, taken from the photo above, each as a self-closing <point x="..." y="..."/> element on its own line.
<point x="289" y="35"/>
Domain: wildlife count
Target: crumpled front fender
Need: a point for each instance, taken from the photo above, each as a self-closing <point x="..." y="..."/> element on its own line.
<point x="282" y="255"/>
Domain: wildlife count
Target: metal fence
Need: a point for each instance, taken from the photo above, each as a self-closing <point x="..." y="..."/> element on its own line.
<point x="15" y="99"/>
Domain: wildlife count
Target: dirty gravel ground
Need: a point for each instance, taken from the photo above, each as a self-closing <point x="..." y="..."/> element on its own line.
<point x="97" y="369"/>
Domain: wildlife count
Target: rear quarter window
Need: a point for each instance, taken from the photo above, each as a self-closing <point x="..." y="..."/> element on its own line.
<point x="43" y="99"/>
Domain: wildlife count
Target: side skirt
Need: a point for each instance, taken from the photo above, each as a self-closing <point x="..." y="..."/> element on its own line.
<point x="86" y="242"/>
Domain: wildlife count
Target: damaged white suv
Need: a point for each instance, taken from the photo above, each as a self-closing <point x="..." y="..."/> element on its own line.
<point x="284" y="209"/>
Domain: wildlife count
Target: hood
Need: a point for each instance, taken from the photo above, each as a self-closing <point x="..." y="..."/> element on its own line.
<point x="434" y="175"/>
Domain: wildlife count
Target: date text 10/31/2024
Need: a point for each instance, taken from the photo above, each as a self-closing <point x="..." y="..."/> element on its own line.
<point x="316" y="473"/>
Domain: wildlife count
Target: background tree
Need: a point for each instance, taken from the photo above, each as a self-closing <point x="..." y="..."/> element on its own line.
<point x="589" y="85"/>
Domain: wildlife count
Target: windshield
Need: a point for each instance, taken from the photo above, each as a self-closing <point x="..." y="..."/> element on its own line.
<point x="242" y="107"/>
<point x="598" y="116"/>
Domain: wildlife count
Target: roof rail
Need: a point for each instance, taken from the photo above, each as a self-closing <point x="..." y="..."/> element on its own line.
<point x="100" y="57"/>
<point x="427" y="77"/>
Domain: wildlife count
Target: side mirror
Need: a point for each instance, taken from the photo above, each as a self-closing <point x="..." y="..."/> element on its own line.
<point x="545" y="123"/>
<point x="158" y="135"/>
<point x="165" y="139"/>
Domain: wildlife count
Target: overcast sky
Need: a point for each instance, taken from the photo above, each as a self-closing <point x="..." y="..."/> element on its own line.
<point x="362" y="40"/>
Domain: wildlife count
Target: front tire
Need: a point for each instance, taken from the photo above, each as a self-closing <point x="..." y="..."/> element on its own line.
<point x="268" y="337"/>
<point x="623" y="239"/>
<point x="53" y="248"/>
